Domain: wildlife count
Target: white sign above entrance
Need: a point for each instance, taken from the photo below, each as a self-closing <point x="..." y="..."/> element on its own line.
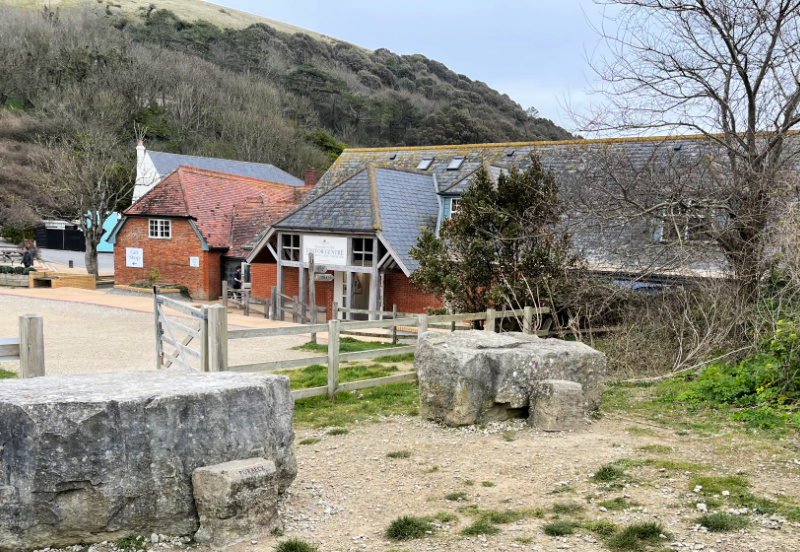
<point x="327" y="250"/>
<point x="134" y="257"/>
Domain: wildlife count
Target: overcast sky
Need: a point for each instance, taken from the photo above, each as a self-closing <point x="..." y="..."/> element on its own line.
<point x="533" y="50"/>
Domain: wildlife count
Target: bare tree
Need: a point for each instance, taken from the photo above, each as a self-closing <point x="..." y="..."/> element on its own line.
<point x="91" y="178"/>
<point x="728" y="70"/>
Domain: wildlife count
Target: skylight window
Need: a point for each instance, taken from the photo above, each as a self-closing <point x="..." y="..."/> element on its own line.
<point x="455" y="164"/>
<point x="425" y="164"/>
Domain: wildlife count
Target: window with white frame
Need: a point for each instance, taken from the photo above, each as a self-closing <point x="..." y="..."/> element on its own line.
<point x="687" y="222"/>
<point x="160" y="228"/>
<point x="290" y="247"/>
<point x="451" y="207"/>
<point x="363" y="253"/>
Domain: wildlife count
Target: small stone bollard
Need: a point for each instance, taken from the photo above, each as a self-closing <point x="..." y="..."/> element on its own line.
<point x="557" y="405"/>
<point x="236" y="501"/>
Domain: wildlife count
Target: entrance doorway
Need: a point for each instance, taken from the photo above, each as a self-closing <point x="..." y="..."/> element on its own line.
<point x="361" y="289"/>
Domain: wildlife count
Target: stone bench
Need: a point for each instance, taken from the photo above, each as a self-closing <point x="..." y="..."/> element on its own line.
<point x="474" y="376"/>
<point x="100" y="457"/>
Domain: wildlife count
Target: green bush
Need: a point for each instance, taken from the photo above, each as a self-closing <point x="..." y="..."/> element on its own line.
<point x="481" y="526"/>
<point x="295" y="545"/>
<point x="720" y="522"/>
<point x="636" y="536"/>
<point x="559" y="528"/>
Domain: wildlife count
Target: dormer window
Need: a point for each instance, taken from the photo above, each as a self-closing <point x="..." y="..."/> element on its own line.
<point x="451" y="207"/>
<point x="425" y="164"/>
<point x="455" y="164"/>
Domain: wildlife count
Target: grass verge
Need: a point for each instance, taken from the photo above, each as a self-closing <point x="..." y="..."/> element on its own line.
<point x="347" y="345"/>
<point x="349" y="408"/>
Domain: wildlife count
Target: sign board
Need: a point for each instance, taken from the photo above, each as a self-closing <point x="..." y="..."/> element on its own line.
<point x="55" y="225"/>
<point x="320" y="269"/>
<point x="326" y="249"/>
<point x="134" y="257"/>
<point x="323" y="277"/>
<point x="194" y="262"/>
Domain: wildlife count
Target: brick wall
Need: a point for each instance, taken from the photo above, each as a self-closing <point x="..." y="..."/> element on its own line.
<point x="263" y="276"/>
<point x="170" y="257"/>
<point x="398" y="290"/>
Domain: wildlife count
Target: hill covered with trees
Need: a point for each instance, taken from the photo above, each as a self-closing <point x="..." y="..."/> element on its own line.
<point x="254" y="94"/>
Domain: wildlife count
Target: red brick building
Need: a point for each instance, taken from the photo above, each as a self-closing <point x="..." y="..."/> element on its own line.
<point x="193" y="226"/>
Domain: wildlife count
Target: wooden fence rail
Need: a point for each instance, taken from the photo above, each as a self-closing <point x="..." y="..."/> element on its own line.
<point x="28" y="348"/>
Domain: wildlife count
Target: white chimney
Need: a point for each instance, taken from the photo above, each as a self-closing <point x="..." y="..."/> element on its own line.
<point x="146" y="175"/>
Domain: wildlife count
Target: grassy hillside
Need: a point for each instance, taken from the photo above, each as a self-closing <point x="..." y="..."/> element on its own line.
<point x="188" y="10"/>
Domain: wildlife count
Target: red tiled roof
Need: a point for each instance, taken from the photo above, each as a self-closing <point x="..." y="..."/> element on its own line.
<point x="230" y="210"/>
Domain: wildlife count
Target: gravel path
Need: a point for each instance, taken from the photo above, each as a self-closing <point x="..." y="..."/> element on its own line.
<point x="83" y="339"/>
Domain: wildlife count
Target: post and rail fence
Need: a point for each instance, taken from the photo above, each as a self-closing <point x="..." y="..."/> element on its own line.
<point x="28" y="348"/>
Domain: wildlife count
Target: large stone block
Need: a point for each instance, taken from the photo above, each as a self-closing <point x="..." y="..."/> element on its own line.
<point x="236" y="501"/>
<point x="557" y="405"/>
<point x="94" y="458"/>
<point x="473" y="376"/>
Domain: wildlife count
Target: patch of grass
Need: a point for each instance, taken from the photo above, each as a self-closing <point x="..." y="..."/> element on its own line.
<point x="310" y="441"/>
<point x="635" y="537"/>
<point x="617" y="504"/>
<point x="432" y="469"/>
<point x="524" y="540"/>
<point x="509" y="436"/>
<point x="506" y="516"/>
<point x="445" y="517"/>
<point x="5" y="374"/>
<point x="409" y="527"/>
<point x="487" y="483"/>
<point x="399" y="454"/>
<point x="721" y="522"/>
<point x="677" y="465"/>
<point x="295" y="545"/>
<point x="735" y="484"/>
<point x="316" y="375"/>
<point x="406" y="357"/>
<point x="564" y="489"/>
<point x="133" y="543"/>
<point x="656" y="449"/>
<point x="456" y="497"/>
<point x="607" y="473"/>
<point x="559" y="528"/>
<point x="469" y="509"/>
<point x="338" y="431"/>
<point x="481" y="526"/>
<point x="567" y="508"/>
<point x="347" y="408"/>
<point x="469" y="482"/>
<point x="346" y="345"/>
<point x="600" y="527"/>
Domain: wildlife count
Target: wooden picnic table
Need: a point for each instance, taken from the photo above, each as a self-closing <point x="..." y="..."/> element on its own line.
<point x="10" y="254"/>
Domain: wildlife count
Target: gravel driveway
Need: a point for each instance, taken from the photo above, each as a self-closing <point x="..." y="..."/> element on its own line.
<point x="84" y="339"/>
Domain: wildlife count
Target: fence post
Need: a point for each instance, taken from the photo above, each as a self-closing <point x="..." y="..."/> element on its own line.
<point x="159" y="345"/>
<point x="204" y="339"/>
<point x="527" y="320"/>
<point x="274" y="303"/>
<point x="335" y="311"/>
<point x="491" y="314"/>
<point x="422" y="326"/>
<point x="333" y="358"/>
<point x="394" y="328"/>
<point x="246" y="301"/>
<point x="452" y="322"/>
<point x="217" y="338"/>
<point x="225" y="294"/>
<point x="31" y="346"/>
<point x="295" y="308"/>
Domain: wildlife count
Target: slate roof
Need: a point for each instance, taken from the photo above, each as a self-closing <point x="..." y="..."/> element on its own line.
<point x="165" y="163"/>
<point x="229" y="210"/>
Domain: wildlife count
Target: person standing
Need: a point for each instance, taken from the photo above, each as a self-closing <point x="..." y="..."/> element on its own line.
<point x="236" y="283"/>
<point x="27" y="258"/>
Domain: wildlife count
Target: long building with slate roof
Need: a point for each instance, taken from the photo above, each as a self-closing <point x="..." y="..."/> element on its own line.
<point x="367" y="211"/>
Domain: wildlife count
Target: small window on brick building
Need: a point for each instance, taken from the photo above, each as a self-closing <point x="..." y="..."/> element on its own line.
<point x="363" y="254"/>
<point x="160" y="228"/>
<point x="290" y="248"/>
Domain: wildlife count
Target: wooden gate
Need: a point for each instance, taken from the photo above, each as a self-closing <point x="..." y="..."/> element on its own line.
<point x="179" y="335"/>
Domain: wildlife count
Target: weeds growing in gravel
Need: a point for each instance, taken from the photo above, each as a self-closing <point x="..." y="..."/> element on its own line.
<point x="408" y="528"/>
<point x="295" y="545"/>
<point x="721" y="522"/>
<point x="456" y="497"/>
<point x="481" y="526"/>
<point x="656" y="449"/>
<point x="445" y="517"/>
<point x="607" y="473"/>
<point x="524" y="540"/>
<point x="487" y="484"/>
<point x="567" y="508"/>
<point x="735" y="484"/>
<point x="133" y="543"/>
<point x="509" y="436"/>
<point x="310" y="441"/>
<point x="617" y="504"/>
<point x="5" y="374"/>
<point x="600" y="527"/>
<point x="635" y="537"/>
<point x="469" y="482"/>
<point x="399" y="454"/>
<point x="559" y="528"/>
<point x="338" y="431"/>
